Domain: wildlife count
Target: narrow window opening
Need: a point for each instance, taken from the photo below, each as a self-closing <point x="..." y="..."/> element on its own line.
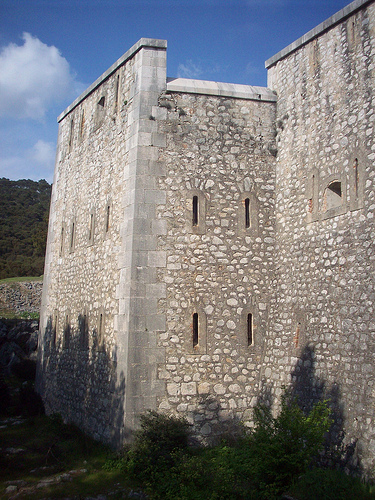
<point x="83" y="329"/>
<point x="66" y="332"/>
<point x="311" y="200"/>
<point x="54" y="331"/>
<point x="195" y="210"/>
<point x="100" y="112"/>
<point x="71" y="135"/>
<point x="107" y="219"/>
<point x="247" y="212"/>
<point x="82" y="126"/>
<point x="72" y="236"/>
<point x="195" y="330"/>
<point x="62" y="241"/>
<point x="250" y="338"/>
<point x="91" y="228"/>
<point x="356" y="179"/>
<point x="333" y="195"/>
<point x="117" y="91"/>
<point x="100" y="330"/>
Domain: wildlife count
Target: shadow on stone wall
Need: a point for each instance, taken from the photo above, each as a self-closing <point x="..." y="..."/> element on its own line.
<point x="309" y="388"/>
<point x="78" y="379"/>
<point x="214" y="423"/>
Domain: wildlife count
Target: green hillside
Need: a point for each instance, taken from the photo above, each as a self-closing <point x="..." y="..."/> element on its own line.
<point x="24" y="209"/>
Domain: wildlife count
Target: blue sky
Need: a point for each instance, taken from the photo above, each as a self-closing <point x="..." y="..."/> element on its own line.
<point x="51" y="50"/>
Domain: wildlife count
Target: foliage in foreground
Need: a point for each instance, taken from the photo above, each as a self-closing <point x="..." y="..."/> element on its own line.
<point x="262" y="464"/>
<point x="326" y="484"/>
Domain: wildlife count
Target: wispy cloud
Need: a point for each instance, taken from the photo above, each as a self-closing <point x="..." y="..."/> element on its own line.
<point x="33" y="77"/>
<point x="197" y="70"/>
<point x="189" y="70"/>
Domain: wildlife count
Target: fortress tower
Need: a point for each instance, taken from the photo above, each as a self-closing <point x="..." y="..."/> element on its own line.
<point x="210" y="243"/>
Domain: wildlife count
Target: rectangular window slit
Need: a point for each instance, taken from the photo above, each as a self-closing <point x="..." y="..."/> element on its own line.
<point x="100" y="332"/>
<point x="355" y="166"/>
<point x="62" y="241"/>
<point x="107" y="218"/>
<point x="91" y="227"/>
<point x="247" y="212"/>
<point x="195" y="210"/>
<point x="72" y="237"/>
<point x="66" y="332"/>
<point x="195" y="330"/>
<point x="249" y="329"/>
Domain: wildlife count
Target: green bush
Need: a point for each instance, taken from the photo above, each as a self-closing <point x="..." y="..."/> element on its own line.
<point x="153" y="453"/>
<point x="327" y="484"/>
<point x="262" y="464"/>
<point x="283" y="447"/>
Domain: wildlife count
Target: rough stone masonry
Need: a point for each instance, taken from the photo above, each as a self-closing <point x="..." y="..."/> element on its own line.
<point x="211" y="243"/>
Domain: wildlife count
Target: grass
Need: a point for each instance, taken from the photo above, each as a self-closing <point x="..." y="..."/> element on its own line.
<point x="21" y="279"/>
<point x="43" y="448"/>
<point x="10" y="314"/>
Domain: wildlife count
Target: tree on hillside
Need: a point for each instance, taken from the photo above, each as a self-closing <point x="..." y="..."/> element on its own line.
<point x="24" y="210"/>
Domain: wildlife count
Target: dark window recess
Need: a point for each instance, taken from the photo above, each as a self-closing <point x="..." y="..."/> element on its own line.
<point x="54" y="331"/>
<point x="107" y="218"/>
<point x="91" y="228"/>
<point x="195" y="330"/>
<point x="311" y="200"/>
<point x="82" y="126"/>
<point x="71" y="134"/>
<point x="100" y="332"/>
<point x="333" y="195"/>
<point x="72" y="236"/>
<point x="355" y="167"/>
<point x="62" y="241"/>
<point x="195" y="210"/>
<point x="250" y="329"/>
<point x="247" y="212"/>
<point x="102" y="102"/>
<point x="84" y="331"/>
<point x="116" y="90"/>
<point x="67" y="333"/>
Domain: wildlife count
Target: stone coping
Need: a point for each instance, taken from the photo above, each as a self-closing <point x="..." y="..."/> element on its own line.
<point x="186" y="85"/>
<point x="143" y="42"/>
<point x="318" y="30"/>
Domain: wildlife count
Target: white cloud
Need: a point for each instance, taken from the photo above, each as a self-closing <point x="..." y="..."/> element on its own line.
<point x="35" y="163"/>
<point x="42" y="153"/>
<point x="33" y="77"/>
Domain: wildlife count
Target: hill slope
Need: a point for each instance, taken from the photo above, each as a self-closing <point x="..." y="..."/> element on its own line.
<point x="24" y="209"/>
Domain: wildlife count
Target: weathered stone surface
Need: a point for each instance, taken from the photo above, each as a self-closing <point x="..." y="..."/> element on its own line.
<point x="21" y="296"/>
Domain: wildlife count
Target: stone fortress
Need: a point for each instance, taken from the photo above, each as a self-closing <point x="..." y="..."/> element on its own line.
<point x="212" y="243"/>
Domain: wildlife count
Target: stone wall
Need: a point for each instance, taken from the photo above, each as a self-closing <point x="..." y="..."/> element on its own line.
<point x="21" y="296"/>
<point x="323" y="322"/>
<point x="90" y="263"/>
<point x="221" y="151"/>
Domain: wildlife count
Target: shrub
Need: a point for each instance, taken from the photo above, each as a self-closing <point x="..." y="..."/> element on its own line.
<point x="283" y="447"/>
<point x="327" y="484"/>
<point x="156" y="443"/>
